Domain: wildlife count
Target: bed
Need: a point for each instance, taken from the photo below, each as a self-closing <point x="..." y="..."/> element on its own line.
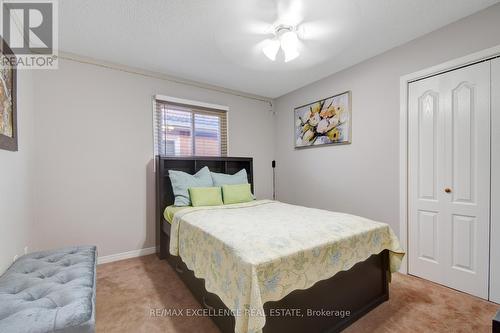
<point x="275" y="277"/>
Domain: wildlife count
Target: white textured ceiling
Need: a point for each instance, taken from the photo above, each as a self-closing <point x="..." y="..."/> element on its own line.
<point x="217" y="42"/>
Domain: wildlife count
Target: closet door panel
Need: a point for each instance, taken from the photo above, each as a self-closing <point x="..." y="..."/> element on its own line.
<point x="495" y="183"/>
<point x="449" y="178"/>
<point x="426" y="152"/>
<point x="463" y="126"/>
<point x="468" y="177"/>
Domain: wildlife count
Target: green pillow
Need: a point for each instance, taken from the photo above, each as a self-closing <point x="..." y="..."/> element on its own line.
<point x="236" y="193"/>
<point x="205" y="196"/>
<point x="181" y="181"/>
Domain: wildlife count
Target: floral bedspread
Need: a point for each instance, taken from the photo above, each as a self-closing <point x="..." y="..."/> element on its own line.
<point x="261" y="251"/>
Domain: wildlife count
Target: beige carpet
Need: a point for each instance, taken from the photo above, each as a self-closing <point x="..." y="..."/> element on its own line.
<point x="128" y="290"/>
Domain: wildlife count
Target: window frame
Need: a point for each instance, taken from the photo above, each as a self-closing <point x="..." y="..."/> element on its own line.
<point x="195" y="108"/>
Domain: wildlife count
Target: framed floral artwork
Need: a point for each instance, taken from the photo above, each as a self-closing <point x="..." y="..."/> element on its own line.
<point x="324" y="122"/>
<point x="8" y="119"/>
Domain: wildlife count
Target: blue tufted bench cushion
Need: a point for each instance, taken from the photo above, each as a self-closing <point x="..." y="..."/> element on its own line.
<point x="50" y="291"/>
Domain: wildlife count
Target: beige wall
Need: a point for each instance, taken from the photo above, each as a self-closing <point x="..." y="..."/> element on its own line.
<point x="94" y="146"/>
<point x="363" y="178"/>
<point x="15" y="180"/>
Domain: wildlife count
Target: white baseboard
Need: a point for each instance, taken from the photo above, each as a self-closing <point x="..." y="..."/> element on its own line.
<point x="126" y="255"/>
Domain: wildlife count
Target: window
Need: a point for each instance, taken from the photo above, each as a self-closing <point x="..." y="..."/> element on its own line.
<point x="187" y="130"/>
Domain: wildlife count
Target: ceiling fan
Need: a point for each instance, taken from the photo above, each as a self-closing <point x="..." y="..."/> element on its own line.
<point x="272" y="34"/>
<point x="285" y="38"/>
<point x="286" y="32"/>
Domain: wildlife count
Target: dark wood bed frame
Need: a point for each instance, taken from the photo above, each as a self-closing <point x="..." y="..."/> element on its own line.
<point x="356" y="291"/>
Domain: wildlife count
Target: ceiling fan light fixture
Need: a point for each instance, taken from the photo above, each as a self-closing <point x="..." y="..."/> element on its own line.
<point x="271" y="48"/>
<point x="290" y="45"/>
<point x="291" y="54"/>
<point x="286" y="39"/>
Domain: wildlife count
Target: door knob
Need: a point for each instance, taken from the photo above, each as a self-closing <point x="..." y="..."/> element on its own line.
<point x="447" y="190"/>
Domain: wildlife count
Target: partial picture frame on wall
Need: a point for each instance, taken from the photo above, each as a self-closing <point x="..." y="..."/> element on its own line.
<point x="8" y="100"/>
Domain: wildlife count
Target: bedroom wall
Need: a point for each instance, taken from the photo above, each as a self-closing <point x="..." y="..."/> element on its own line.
<point x="15" y="180"/>
<point x="363" y="178"/>
<point x="93" y="173"/>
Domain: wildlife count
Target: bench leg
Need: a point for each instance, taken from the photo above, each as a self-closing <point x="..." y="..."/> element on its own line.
<point x="496" y="323"/>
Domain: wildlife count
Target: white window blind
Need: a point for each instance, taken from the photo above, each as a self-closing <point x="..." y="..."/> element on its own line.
<point x="184" y="130"/>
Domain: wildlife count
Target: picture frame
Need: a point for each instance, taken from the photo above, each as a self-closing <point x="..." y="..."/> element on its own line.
<point x="8" y="100"/>
<point x="323" y="122"/>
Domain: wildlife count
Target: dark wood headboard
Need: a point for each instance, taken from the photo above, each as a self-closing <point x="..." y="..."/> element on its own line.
<point x="191" y="165"/>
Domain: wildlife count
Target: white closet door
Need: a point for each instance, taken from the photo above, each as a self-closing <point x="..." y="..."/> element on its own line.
<point x="449" y="178"/>
<point x="495" y="183"/>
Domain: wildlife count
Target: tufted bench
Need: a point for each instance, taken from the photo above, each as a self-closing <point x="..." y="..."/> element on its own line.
<point x="50" y="291"/>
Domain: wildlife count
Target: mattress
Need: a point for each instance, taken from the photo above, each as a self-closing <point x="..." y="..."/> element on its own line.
<point x="260" y="251"/>
<point x="170" y="211"/>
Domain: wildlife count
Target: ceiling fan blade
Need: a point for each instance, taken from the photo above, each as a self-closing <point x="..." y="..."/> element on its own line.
<point x="316" y="30"/>
<point x="290" y="12"/>
<point x="258" y="28"/>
